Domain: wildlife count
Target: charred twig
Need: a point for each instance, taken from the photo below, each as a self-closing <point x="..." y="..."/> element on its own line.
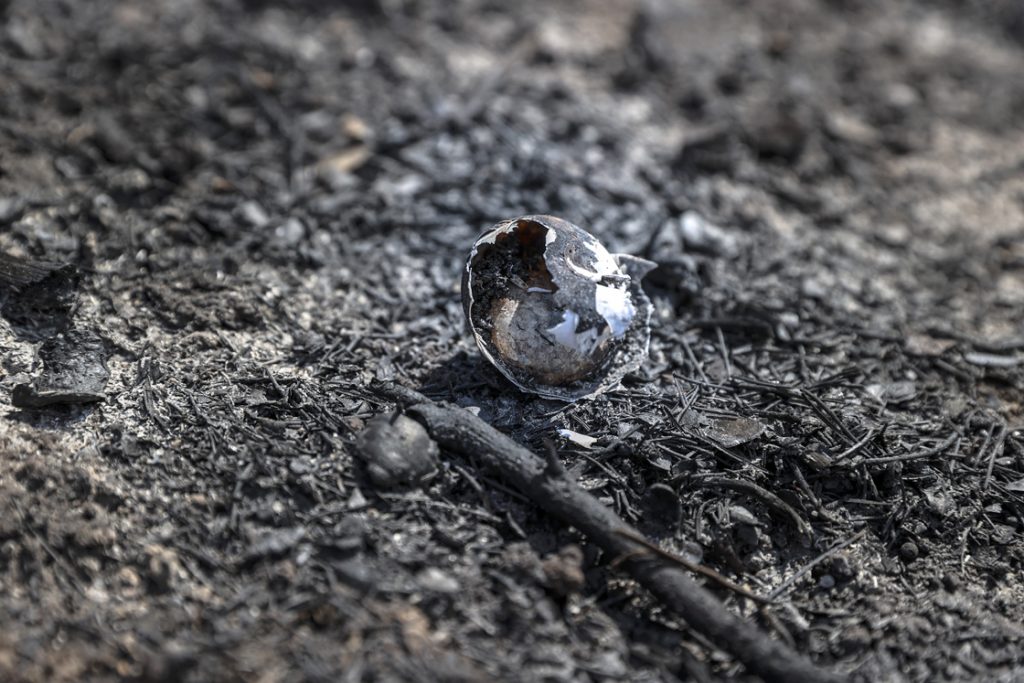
<point x="801" y="481"/>
<point x="18" y="272"/>
<point x="997" y="450"/>
<point x="765" y="496"/>
<point x="696" y="568"/>
<point x="738" y="324"/>
<point x="856" y="447"/>
<point x="462" y="432"/>
<point x="927" y="453"/>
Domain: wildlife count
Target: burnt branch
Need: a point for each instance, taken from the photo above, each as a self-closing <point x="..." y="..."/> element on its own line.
<point x="462" y="432"/>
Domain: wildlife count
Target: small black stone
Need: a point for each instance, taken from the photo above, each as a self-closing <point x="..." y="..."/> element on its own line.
<point x="909" y="551"/>
<point x="841" y="568"/>
<point x="397" y="450"/>
<point x="661" y="508"/>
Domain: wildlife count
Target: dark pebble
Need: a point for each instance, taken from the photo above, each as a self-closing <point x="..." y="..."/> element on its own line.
<point x="853" y="640"/>
<point x="909" y="551"/>
<point x="397" y="450"/>
<point x="661" y="507"/>
<point x="842" y="568"/>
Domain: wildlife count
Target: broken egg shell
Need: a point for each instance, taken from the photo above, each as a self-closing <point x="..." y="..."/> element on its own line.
<point x="553" y="310"/>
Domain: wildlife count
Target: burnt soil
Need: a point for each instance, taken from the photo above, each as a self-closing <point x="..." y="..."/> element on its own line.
<point x="267" y="205"/>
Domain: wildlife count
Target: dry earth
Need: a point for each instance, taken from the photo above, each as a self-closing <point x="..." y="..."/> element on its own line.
<point x="268" y="204"/>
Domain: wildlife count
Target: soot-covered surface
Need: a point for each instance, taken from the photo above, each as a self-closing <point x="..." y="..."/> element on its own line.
<point x="269" y="205"/>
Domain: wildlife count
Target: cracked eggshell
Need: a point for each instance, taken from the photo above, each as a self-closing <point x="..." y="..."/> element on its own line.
<point x="553" y="310"/>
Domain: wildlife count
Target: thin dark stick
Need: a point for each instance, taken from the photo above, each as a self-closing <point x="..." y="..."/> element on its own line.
<point x="997" y="450"/>
<point x="710" y="573"/>
<point x="766" y="496"/>
<point x="934" y="450"/>
<point x="855" y="447"/>
<point x="460" y="431"/>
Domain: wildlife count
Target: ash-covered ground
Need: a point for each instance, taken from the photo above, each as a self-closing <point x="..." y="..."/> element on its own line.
<point x="267" y="205"/>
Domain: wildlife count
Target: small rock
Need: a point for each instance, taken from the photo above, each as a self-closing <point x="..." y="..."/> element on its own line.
<point x="926" y="345"/>
<point x="253" y="214"/>
<point x="437" y="581"/>
<point x="778" y="129"/>
<point x="940" y="502"/>
<point x="848" y="127"/>
<point x="163" y="568"/>
<point x="11" y="209"/>
<point x="356" y="500"/>
<point x="25" y="38"/>
<point x="749" y="536"/>
<point x="575" y="437"/>
<point x="692" y="551"/>
<point x="661" y="508"/>
<point x="397" y="450"/>
<point x="75" y="371"/>
<point x="893" y="392"/>
<point x="113" y="140"/>
<point x="827" y="581"/>
<point x="842" y="569"/>
<point x="290" y="233"/>
<point x="909" y="551"/>
<point x="129" y="182"/>
<point x="1003" y="534"/>
<point x="701" y="235"/>
<point x="735" y="431"/>
<point x="813" y="288"/>
<point x="741" y="515"/>
<point x="273" y="543"/>
<point x="563" y="572"/>
<point x="609" y="665"/>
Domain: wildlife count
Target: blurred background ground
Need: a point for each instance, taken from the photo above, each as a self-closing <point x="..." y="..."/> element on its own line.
<point x="269" y="203"/>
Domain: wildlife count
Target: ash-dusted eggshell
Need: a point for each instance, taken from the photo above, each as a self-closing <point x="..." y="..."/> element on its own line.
<point x="553" y="310"/>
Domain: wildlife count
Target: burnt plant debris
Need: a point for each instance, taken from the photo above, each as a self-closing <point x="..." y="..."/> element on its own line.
<point x="265" y="209"/>
<point x="37" y="298"/>
<point x="74" y="371"/>
<point x="548" y="486"/>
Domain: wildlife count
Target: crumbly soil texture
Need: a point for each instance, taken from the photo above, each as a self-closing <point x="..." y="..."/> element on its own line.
<point x="251" y="210"/>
